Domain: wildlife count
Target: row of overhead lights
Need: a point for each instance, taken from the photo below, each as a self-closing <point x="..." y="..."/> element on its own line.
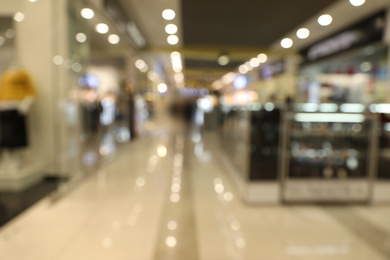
<point x="67" y="63"/>
<point x="242" y="69"/>
<point x="177" y="67"/>
<point x="86" y="13"/>
<point x="323" y="20"/>
<point x="101" y="28"/>
<point x="170" y="29"/>
<point x="253" y="63"/>
<point x="172" y="39"/>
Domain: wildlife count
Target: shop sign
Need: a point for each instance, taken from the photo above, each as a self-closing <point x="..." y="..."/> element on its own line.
<point x="335" y="44"/>
<point x="270" y="70"/>
<point x="368" y="31"/>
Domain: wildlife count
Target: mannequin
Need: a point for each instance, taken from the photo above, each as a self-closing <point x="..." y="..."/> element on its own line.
<point x="16" y="97"/>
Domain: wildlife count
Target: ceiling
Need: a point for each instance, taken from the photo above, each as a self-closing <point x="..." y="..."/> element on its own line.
<point x="244" y="23"/>
<point x="240" y="28"/>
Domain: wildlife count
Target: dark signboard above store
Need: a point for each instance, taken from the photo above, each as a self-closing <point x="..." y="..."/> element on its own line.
<point x="271" y="70"/>
<point x="368" y="31"/>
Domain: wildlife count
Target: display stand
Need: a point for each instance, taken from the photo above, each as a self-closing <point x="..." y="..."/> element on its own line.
<point x="331" y="156"/>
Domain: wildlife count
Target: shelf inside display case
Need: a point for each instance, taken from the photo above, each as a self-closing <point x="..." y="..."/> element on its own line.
<point x="329" y="156"/>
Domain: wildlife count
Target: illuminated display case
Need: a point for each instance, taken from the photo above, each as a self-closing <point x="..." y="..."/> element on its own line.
<point x="331" y="152"/>
<point x="384" y="140"/>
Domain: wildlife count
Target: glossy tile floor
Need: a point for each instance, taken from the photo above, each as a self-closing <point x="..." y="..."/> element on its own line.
<point x="165" y="198"/>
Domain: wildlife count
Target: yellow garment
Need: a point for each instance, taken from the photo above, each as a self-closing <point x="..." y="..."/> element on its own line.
<point x="16" y="85"/>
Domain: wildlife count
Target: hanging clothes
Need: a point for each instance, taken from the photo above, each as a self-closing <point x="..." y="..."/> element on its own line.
<point x="16" y="86"/>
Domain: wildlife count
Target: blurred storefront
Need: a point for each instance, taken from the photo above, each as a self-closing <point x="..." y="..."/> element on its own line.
<point x="318" y="129"/>
<point x="351" y="66"/>
<point x="80" y="96"/>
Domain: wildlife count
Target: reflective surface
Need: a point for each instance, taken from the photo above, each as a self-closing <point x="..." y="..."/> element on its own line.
<point x="163" y="198"/>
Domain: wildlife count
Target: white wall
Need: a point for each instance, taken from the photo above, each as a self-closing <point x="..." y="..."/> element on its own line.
<point x="9" y="7"/>
<point x="41" y="35"/>
<point x="34" y="44"/>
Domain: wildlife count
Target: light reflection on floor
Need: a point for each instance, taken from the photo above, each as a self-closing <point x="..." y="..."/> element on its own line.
<point x="166" y="197"/>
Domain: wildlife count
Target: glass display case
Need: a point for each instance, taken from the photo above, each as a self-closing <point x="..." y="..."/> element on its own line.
<point x="384" y="141"/>
<point x="331" y="153"/>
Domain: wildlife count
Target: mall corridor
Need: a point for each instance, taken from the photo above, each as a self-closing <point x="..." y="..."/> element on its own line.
<point x="168" y="197"/>
<point x="194" y="130"/>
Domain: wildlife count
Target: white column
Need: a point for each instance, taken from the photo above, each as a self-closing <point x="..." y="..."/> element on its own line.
<point x="39" y="37"/>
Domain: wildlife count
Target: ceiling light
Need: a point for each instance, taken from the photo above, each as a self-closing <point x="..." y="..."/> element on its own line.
<point x="223" y="60"/>
<point x="254" y="62"/>
<point x="171" y="28"/>
<point x="171" y="241"/>
<point x="19" y="17"/>
<point x="114" y="39"/>
<point x="177" y="68"/>
<point x="87" y="13"/>
<point x="179" y="78"/>
<point x="175" y="54"/>
<point x="303" y="33"/>
<point x="172" y="39"/>
<point x="168" y="14"/>
<point x="153" y="76"/>
<point x="325" y="19"/>
<point x="102" y="28"/>
<point x="286" y="43"/>
<point x="248" y="66"/>
<point x="357" y="2"/>
<point x="176" y="61"/>
<point x="81" y="37"/>
<point x="242" y="69"/>
<point x="139" y="64"/>
<point x="144" y="68"/>
<point x="58" y="60"/>
<point x="262" y="57"/>
<point x="162" y="88"/>
<point x="76" y="67"/>
<point x="228" y="78"/>
<point x="32" y="1"/>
